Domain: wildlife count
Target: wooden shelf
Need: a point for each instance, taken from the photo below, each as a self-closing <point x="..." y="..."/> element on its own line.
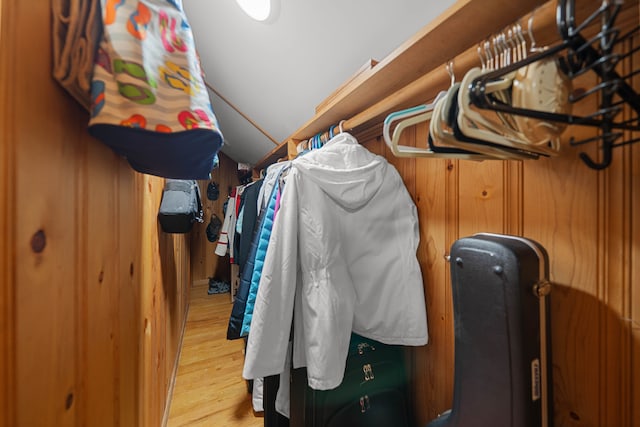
<point x="438" y="42"/>
<point x="415" y="71"/>
<point x="340" y="91"/>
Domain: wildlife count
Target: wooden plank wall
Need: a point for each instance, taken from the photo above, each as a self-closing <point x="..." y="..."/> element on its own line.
<point x="93" y="296"/>
<point x="204" y="262"/>
<point x="587" y="220"/>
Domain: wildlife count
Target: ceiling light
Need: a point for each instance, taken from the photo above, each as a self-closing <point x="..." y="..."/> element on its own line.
<point x="257" y="9"/>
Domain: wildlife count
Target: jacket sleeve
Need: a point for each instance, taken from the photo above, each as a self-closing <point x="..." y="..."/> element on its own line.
<point x="273" y="310"/>
<point x="223" y="240"/>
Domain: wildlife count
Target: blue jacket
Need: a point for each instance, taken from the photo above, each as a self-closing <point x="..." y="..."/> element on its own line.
<point x="237" y="311"/>
<point x="262" y="244"/>
<point x="239" y="304"/>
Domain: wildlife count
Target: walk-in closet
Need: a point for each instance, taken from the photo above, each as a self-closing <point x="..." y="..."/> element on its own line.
<point x="434" y="222"/>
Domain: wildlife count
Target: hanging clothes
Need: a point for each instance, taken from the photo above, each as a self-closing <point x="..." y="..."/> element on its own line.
<point x="356" y="226"/>
<point x="272" y="173"/>
<point x="225" y="241"/>
<point x="262" y="245"/>
<point x="248" y="217"/>
<point x="239" y="304"/>
<point x="240" y="301"/>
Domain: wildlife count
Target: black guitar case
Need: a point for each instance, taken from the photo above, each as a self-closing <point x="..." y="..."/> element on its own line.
<point x="502" y="371"/>
<point x="373" y="393"/>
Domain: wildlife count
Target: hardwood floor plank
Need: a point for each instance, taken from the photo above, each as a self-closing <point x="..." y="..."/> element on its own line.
<point x="209" y="389"/>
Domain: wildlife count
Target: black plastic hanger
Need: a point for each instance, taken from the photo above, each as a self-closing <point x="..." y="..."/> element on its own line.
<point x="580" y="56"/>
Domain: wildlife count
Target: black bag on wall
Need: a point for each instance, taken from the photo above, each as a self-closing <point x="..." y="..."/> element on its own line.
<point x="180" y="206"/>
<point x="213" y="229"/>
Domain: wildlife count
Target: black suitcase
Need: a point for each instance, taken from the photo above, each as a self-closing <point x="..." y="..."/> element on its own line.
<point x="502" y="371"/>
<point x="180" y="206"/>
<point x="373" y="393"/>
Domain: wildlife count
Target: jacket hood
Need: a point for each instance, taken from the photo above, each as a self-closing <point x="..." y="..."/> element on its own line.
<point x="346" y="171"/>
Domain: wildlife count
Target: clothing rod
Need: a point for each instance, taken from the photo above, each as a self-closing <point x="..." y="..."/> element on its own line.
<point x="426" y="87"/>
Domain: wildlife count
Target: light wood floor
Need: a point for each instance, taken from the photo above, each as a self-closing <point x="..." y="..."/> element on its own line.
<point x="209" y="389"/>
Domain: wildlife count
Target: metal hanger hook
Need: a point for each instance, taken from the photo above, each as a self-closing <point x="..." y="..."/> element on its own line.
<point x="533" y="48"/>
<point x="482" y="61"/>
<point x="452" y="75"/>
<point x="504" y="49"/>
<point x="522" y="40"/>
<point x="489" y="55"/>
<point x="340" y="128"/>
<point x="512" y="51"/>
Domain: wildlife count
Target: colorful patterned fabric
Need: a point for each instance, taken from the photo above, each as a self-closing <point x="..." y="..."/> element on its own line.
<point x="148" y="98"/>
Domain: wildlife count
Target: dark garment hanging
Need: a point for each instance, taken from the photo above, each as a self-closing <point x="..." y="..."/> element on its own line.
<point x="249" y="220"/>
<point x="246" y="273"/>
<point x="240" y="302"/>
<point x="236" y="239"/>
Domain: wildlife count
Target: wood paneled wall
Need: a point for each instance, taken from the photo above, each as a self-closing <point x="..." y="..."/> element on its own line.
<point x="204" y="262"/>
<point x="93" y="295"/>
<point x="587" y="220"/>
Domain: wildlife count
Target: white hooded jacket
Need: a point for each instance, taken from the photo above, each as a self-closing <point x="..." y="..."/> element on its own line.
<point x="342" y="255"/>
